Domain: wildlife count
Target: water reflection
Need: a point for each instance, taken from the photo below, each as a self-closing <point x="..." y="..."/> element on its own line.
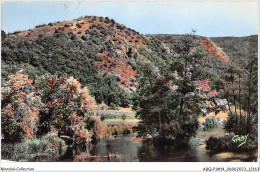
<point x="150" y="152"/>
<point x="119" y="144"/>
<point x="146" y="151"/>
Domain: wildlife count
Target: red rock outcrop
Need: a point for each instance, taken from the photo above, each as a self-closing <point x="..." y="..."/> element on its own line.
<point x="211" y="48"/>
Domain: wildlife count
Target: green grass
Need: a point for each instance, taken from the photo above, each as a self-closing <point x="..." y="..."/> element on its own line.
<point x="46" y="148"/>
<point x="119" y="119"/>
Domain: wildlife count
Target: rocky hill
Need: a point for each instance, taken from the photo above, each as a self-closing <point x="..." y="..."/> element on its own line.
<point x="103" y="54"/>
<point x="239" y="49"/>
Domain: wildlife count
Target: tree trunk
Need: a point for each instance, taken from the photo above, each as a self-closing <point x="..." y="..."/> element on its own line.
<point x="229" y="104"/>
<point x="160" y="125"/>
<point x="181" y="109"/>
<point x="239" y="100"/>
<point x="234" y="103"/>
<point x="234" y="98"/>
<point x="248" y="100"/>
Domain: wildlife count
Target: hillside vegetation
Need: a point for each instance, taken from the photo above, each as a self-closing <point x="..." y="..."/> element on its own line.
<point x="102" y="54"/>
<point x="170" y="81"/>
<point x="239" y="49"/>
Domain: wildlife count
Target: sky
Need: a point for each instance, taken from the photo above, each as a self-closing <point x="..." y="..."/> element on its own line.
<point x="211" y="19"/>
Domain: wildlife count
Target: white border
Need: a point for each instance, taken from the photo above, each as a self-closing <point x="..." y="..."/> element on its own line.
<point x="126" y="166"/>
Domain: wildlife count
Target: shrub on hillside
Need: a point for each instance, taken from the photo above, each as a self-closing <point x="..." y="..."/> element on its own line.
<point x="61" y="53"/>
<point x="78" y="25"/>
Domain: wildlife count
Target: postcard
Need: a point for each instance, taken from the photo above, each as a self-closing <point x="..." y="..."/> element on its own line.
<point x="88" y="85"/>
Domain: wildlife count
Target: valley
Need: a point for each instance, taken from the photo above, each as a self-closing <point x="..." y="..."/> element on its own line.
<point x="91" y="89"/>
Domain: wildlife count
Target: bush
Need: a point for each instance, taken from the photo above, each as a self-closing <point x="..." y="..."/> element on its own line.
<point x="113" y="21"/>
<point x="47" y="148"/>
<point x="240" y="126"/>
<point x="100" y="130"/>
<point x="67" y="105"/>
<point x="78" y="25"/>
<point x="220" y="143"/>
<point x="235" y="127"/>
<point x="209" y="123"/>
<point x="123" y="117"/>
<point x="11" y="132"/>
<point x="119" y="129"/>
<point x="225" y="143"/>
<point x="194" y="141"/>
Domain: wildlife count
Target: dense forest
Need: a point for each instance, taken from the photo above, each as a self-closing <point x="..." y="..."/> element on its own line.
<point x="56" y="76"/>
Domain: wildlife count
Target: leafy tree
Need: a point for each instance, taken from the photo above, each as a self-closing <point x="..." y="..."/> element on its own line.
<point x="242" y="95"/>
<point x="251" y="94"/>
<point x="169" y="116"/>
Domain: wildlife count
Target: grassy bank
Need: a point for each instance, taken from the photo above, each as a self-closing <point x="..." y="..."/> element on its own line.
<point x="120" y="129"/>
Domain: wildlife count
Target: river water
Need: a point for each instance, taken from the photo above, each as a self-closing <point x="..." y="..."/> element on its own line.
<point x="146" y="151"/>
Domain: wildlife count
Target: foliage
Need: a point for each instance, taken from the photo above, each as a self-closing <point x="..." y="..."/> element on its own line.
<point x="47" y="148"/>
<point x="194" y="141"/>
<point x="209" y="123"/>
<point x="209" y="62"/>
<point x="169" y="116"/>
<point x="53" y="104"/>
<point x="232" y="125"/>
<point x="11" y="131"/>
<point x="120" y="129"/>
<point x="111" y="93"/>
<point x="100" y="130"/>
<point x="60" y="54"/>
<point x="237" y="48"/>
<point x="242" y="93"/>
<point x="251" y="93"/>
<point x="113" y="114"/>
<point x="6" y="98"/>
<point x="123" y="117"/>
<point x="68" y="107"/>
<point x="225" y="143"/>
<point x="220" y="143"/>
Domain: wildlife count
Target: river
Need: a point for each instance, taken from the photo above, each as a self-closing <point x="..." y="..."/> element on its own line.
<point x="145" y="151"/>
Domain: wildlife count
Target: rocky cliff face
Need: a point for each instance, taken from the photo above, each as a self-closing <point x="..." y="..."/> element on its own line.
<point x="214" y="50"/>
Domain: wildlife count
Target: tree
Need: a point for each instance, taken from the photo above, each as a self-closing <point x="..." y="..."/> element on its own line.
<point x="170" y="116"/>
<point x="241" y="93"/>
<point x="252" y="90"/>
<point x="141" y="105"/>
